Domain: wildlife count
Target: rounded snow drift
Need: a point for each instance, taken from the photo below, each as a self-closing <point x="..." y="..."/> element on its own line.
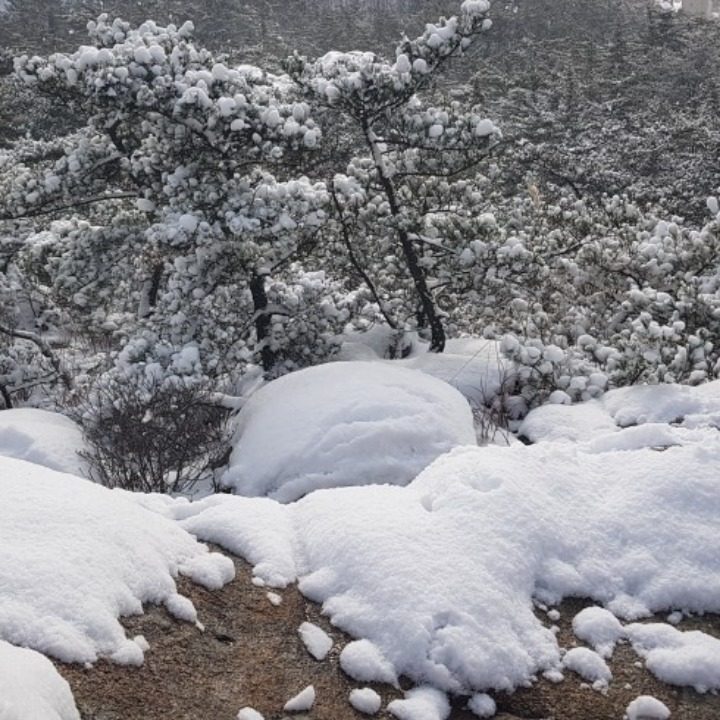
<point x="341" y="424"/>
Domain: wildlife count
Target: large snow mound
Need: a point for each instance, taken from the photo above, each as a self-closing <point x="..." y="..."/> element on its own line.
<point x="31" y="688"/>
<point x="45" y="438"/>
<point x="76" y="556"/>
<point x="440" y="574"/>
<point x="344" y="423"/>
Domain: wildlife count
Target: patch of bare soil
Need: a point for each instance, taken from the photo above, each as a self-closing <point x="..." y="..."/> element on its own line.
<point x="250" y="654"/>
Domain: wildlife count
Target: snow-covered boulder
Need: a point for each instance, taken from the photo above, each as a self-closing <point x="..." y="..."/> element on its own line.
<point x="75" y="556"/>
<point x="42" y="437"/>
<point x="344" y="423"/>
<point x="31" y="688"/>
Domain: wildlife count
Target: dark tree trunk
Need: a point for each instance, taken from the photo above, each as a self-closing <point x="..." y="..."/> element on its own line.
<point x="263" y="322"/>
<point x="417" y="272"/>
<point x="5" y="395"/>
<point x="155" y="285"/>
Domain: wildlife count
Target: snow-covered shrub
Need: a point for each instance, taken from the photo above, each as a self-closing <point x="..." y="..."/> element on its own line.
<point x="309" y="313"/>
<point x="590" y="295"/>
<point x="150" y="434"/>
<point x="178" y="152"/>
<point x="30" y="331"/>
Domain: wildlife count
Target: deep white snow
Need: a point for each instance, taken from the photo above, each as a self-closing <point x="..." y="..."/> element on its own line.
<point x="440" y="575"/>
<point x="436" y="578"/>
<point x="474" y="366"/>
<point x="344" y="423"/>
<point x="610" y="422"/>
<point x="76" y="556"/>
<point x="31" y="688"/>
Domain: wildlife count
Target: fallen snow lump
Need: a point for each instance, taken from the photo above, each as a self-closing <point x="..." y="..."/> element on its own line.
<point x="77" y="556"/>
<point x="303" y="701"/>
<point x="362" y="660"/>
<point x="482" y="705"/>
<point x="365" y="700"/>
<point x="421" y="703"/>
<point x="317" y="642"/>
<point x="588" y="665"/>
<point x="647" y="707"/>
<point x="439" y="576"/>
<point x="248" y="713"/>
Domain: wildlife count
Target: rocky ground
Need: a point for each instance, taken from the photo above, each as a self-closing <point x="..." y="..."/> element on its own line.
<point x="250" y="654"/>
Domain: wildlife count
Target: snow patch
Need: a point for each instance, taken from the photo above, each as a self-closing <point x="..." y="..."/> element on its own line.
<point x="76" y="556"/>
<point x="31" y="688"/>
<point x="678" y="658"/>
<point x="45" y="438"/>
<point x="365" y="700"/>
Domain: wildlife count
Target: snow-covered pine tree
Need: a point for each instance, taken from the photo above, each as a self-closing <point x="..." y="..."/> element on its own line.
<point x="401" y="198"/>
<point x="178" y="151"/>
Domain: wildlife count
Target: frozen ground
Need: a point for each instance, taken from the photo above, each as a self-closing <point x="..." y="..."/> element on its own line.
<point x="618" y="501"/>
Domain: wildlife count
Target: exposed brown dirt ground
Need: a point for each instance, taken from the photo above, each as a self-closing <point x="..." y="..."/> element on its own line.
<point x="250" y="654"/>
